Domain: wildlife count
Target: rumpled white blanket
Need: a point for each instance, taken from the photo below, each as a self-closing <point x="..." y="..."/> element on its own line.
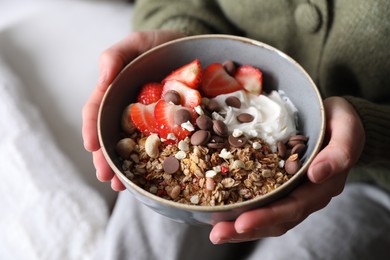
<point x="47" y="210"/>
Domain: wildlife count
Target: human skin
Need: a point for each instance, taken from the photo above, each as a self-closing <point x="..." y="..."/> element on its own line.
<point x="345" y="139"/>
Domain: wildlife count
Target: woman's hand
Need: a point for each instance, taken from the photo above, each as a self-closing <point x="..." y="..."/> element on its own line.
<point x="327" y="175"/>
<point x="111" y="63"/>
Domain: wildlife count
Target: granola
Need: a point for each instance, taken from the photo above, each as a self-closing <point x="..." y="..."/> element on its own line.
<point x="207" y="176"/>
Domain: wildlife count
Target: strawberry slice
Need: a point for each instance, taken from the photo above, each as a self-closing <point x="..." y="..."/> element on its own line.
<point x="189" y="97"/>
<point x="189" y="74"/>
<point x="150" y="93"/>
<point x="217" y="81"/>
<point x="143" y="118"/>
<point x="250" y="78"/>
<point x="164" y="114"/>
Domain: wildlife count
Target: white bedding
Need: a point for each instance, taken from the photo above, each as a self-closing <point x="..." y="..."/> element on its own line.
<point x="52" y="205"/>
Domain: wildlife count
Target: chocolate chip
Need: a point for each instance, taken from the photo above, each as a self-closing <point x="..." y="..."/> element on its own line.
<point x="171" y="165"/>
<point x="282" y="150"/>
<point x="297" y="139"/>
<point x="200" y="137"/>
<point x="292" y="164"/>
<point x="182" y="116"/>
<point x="172" y="96"/>
<point x="213" y="106"/>
<point x="245" y="118"/>
<point x="204" y="122"/>
<point x="299" y="149"/>
<point x="220" y="128"/>
<point x="217" y="139"/>
<point x="233" y="102"/>
<point x="229" y="66"/>
<point x="237" y="141"/>
<point x="217" y="142"/>
<point x="216" y="145"/>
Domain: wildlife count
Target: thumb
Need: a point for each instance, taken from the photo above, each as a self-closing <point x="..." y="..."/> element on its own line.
<point x="346" y="141"/>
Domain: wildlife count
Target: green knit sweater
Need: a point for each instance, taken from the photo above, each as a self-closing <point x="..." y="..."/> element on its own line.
<point x="343" y="44"/>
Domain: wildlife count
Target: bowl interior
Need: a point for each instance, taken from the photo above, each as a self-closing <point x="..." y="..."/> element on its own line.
<point x="280" y="72"/>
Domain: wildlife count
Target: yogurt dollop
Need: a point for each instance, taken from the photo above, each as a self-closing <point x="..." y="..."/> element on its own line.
<point x="274" y="115"/>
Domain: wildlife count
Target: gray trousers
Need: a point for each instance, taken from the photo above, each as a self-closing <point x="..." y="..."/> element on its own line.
<point x="355" y="225"/>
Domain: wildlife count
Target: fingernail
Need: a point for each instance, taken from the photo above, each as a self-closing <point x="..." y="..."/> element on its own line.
<point x="241" y="230"/>
<point x="321" y="172"/>
<point x="218" y="241"/>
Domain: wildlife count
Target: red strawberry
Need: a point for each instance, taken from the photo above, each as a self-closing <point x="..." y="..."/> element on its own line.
<point x="189" y="97"/>
<point x="143" y="117"/>
<point x="217" y="81"/>
<point x="150" y="93"/>
<point x="189" y="74"/>
<point x="250" y="78"/>
<point x="164" y="114"/>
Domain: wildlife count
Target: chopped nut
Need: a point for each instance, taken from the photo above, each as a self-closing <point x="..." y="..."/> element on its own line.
<point x="180" y="155"/>
<point x="125" y="147"/>
<point x="184" y="146"/>
<point x="227" y="182"/>
<point x="153" y="189"/>
<point x="194" y="199"/>
<point x="217" y="168"/>
<point x="134" y="157"/>
<point x="225" y="154"/>
<point x="256" y="145"/>
<point x="188" y="126"/>
<point x="237" y="132"/>
<point x="210" y="184"/>
<point x="173" y="192"/>
<point x="152" y="144"/>
<point x="266" y="173"/>
<point x="211" y="173"/>
<point x="199" y="110"/>
<point x="238" y="164"/>
<point x="217" y="116"/>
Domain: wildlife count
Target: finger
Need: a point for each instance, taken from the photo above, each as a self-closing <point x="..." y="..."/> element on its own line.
<point x="224" y="232"/>
<point x="89" y="116"/>
<point x="116" y="184"/>
<point x="103" y="170"/>
<point x="346" y="141"/>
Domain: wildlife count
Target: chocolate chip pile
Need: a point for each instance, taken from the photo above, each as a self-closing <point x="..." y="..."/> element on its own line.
<point x="292" y="151"/>
<point x="212" y="166"/>
<point x="214" y="133"/>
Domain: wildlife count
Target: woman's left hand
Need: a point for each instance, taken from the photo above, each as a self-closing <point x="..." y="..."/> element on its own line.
<point x="327" y="175"/>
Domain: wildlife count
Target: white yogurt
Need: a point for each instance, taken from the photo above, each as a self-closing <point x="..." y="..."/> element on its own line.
<point x="275" y="117"/>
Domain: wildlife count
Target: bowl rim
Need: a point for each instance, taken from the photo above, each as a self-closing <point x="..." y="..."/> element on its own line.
<point x="218" y="208"/>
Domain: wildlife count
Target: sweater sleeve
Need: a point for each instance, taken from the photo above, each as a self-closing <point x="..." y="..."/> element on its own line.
<point x="374" y="163"/>
<point x="376" y="122"/>
<point x="188" y="16"/>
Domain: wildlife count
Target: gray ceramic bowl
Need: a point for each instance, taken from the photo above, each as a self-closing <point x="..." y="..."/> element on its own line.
<point x="279" y="71"/>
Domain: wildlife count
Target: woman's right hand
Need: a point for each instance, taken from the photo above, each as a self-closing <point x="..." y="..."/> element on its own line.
<point x="111" y="62"/>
